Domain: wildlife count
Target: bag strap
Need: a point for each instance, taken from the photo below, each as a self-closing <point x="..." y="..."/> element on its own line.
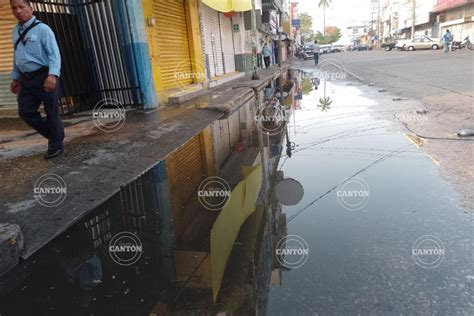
<point x="29" y="28"/>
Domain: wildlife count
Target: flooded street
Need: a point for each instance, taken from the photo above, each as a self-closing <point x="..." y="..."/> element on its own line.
<point x="362" y="247"/>
<point x="353" y="218"/>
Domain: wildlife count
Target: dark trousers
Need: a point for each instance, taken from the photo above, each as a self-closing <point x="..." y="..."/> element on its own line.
<point x="316" y="58"/>
<point x="267" y="61"/>
<point x="31" y="95"/>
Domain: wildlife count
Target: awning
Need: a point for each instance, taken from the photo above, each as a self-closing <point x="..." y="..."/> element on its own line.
<point x="229" y="5"/>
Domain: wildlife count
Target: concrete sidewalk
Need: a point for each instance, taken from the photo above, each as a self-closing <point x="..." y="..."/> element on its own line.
<point x="96" y="164"/>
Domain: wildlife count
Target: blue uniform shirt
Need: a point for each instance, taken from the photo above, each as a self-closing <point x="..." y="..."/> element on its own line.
<point x="40" y="50"/>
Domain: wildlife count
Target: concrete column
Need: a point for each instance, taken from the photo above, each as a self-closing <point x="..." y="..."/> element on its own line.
<point x="135" y="40"/>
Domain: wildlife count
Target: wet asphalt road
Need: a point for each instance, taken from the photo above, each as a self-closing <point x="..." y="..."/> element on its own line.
<point x="392" y="239"/>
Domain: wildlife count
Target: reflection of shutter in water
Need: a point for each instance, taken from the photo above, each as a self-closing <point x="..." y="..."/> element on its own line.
<point x="186" y="171"/>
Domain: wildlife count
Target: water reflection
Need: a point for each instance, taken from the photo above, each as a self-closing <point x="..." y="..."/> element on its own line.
<point x="231" y="261"/>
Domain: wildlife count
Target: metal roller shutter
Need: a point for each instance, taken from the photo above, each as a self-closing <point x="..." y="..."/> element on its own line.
<point x="171" y="47"/>
<point x="212" y="40"/>
<point x="227" y="43"/>
<point x="186" y="171"/>
<point x="7" y="23"/>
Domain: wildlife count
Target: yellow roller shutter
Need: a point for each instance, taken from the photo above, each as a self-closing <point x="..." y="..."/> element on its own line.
<point x="186" y="171"/>
<point x="7" y="23"/>
<point x="171" y="44"/>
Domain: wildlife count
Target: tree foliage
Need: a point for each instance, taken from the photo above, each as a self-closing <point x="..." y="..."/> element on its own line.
<point x="333" y="34"/>
<point x="324" y="3"/>
<point x="306" y="29"/>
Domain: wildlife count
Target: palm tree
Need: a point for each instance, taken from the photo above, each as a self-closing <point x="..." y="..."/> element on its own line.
<point x="324" y="4"/>
<point x="325" y="102"/>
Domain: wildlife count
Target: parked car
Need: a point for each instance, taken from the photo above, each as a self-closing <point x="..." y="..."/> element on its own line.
<point x="364" y="47"/>
<point x="337" y="48"/>
<point x="308" y="49"/>
<point x="388" y="46"/>
<point x="325" y="49"/>
<point x="419" y="42"/>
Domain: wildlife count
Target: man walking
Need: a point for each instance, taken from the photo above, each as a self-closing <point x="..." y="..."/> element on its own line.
<point x="35" y="75"/>
<point x="267" y="54"/>
<point x="316" y="52"/>
<point x="447" y="38"/>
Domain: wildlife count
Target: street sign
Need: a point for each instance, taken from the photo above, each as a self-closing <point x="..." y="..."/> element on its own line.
<point x="296" y="23"/>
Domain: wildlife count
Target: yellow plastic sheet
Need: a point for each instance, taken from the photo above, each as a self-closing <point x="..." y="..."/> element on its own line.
<point x="229" y="5"/>
<point x="241" y="205"/>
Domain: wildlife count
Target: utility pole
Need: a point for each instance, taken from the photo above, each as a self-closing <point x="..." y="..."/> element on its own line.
<point x="280" y="50"/>
<point x="253" y="22"/>
<point x="378" y="24"/>
<point x="413" y="18"/>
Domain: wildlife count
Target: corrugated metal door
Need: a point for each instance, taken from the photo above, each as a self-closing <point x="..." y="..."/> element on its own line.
<point x="227" y="43"/>
<point x="171" y="47"/>
<point x="186" y="171"/>
<point x="7" y="23"/>
<point x="212" y="40"/>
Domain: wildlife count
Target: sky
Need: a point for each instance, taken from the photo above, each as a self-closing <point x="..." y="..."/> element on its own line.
<point x="341" y="13"/>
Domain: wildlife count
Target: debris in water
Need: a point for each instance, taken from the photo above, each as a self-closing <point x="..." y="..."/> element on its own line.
<point x="371" y="84"/>
<point x="467" y="132"/>
<point x="397" y="99"/>
<point x="422" y="111"/>
<point x="382" y="90"/>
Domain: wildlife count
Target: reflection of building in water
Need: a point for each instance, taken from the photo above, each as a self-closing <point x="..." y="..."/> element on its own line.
<point x="180" y="269"/>
<point x="244" y="285"/>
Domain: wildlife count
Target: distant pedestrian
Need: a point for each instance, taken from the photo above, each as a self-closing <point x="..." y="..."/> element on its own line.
<point x="447" y="38"/>
<point x="267" y="55"/>
<point x="316" y="50"/>
<point x="35" y="75"/>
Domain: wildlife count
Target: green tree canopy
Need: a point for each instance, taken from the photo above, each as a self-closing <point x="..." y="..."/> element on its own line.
<point x="333" y="34"/>
<point x="306" y="29"/>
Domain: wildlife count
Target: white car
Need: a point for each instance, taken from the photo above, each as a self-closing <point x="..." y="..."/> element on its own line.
<point x="419" y="42"/>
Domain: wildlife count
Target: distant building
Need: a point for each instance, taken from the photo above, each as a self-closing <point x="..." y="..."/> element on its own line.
<point x="455" y="15"/>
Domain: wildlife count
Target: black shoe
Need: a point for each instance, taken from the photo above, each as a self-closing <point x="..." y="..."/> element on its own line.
<point x="53" y="153"/>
